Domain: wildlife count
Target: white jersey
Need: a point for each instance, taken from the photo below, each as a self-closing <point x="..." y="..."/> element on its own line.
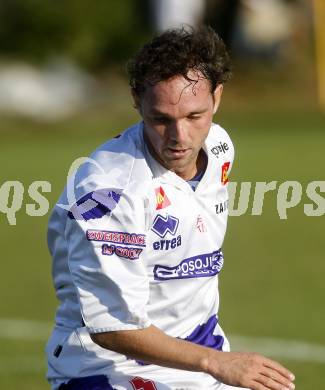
<point x="134" y="245"/>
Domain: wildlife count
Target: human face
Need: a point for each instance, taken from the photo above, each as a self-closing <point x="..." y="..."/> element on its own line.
<point x="177" y="115"/>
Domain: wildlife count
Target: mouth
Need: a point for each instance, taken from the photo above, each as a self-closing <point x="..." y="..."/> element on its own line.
<point x="177" y="153"/>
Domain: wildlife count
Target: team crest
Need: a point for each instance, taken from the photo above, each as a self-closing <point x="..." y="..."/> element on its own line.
<point x="200" y="224"/>
<point x="224" y="173"/>
<point x="161" y="199"/>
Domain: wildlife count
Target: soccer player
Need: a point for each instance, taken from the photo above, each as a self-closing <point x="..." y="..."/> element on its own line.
<point x="136" y="239"/>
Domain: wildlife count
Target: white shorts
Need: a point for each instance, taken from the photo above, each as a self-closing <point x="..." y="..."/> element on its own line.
<point x="154" y="385"/>
<point x="168" y="379"/>
<point x="101" y="382"/>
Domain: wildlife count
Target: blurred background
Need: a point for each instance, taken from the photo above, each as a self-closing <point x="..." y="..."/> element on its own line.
<point x="64" y="91"/>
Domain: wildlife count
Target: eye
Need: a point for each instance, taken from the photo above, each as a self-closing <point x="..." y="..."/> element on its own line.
<point x="160" y="119"/>
<point x="194" y="117"/>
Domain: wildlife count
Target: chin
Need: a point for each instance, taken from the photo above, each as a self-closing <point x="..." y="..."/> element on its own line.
<point x="179" y="167"/>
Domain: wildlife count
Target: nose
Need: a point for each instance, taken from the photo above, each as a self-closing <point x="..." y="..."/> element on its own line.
<point x="177" y="132"/>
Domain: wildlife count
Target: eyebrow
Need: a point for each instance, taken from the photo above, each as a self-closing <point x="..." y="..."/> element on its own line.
<point x="163" y="114"/>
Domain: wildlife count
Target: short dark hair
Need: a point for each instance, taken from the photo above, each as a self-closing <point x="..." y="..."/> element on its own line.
<point x="176" y="52"/>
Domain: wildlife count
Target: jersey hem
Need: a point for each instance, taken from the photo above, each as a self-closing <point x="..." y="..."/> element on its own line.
<point x="117" y="328"/>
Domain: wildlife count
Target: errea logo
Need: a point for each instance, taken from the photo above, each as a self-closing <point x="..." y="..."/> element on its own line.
<point x="163" y="226"/>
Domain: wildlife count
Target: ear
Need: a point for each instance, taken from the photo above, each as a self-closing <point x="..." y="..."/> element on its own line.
<point x="217" y="97"/>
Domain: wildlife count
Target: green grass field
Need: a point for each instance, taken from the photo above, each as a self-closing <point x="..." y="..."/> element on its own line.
<point x="272" y="284"/>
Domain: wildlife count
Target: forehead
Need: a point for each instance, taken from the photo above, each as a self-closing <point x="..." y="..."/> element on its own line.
<point x="178" y="93"/>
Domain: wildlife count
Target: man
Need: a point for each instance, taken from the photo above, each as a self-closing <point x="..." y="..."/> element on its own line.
<point x="136" y="257"/>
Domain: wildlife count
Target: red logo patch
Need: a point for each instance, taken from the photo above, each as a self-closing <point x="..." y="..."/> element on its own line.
<point x="142" y="384"/>
<point x="224" y="173"/>
<point x="161" y="199"/>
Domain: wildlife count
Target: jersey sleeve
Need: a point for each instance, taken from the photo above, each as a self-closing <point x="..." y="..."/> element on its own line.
<point x="227" y="146"/>
<point x="106" y="239"/>
<point x="221" y="149"/>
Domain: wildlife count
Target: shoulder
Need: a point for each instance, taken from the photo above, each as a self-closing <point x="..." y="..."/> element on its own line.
<point x="118" y="163"/>
<point x="219" y="143"/>
<point x="115" y="173"/>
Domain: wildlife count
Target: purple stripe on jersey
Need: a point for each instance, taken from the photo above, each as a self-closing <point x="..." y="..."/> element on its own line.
<point x="203" y="335"/>
<point x="95" y="204"/>
<point x="97" y="382"/>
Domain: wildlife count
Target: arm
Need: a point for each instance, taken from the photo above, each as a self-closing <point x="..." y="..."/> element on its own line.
<point x="234" y="368"/>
